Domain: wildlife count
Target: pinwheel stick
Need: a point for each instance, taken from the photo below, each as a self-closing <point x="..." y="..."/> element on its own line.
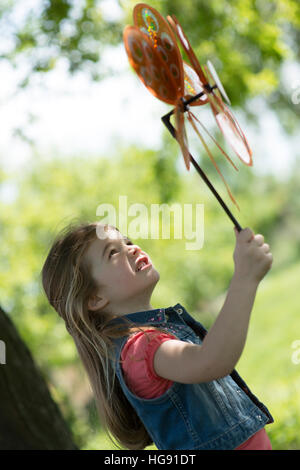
<point x="166" y="120"/>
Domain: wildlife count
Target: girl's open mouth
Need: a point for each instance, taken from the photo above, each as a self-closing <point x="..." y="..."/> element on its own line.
<point x="144" y="266"/>
<point x="142" y="263"/>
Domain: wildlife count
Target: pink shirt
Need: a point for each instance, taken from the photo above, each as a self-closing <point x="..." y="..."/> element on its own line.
<point x="137" y="363"/>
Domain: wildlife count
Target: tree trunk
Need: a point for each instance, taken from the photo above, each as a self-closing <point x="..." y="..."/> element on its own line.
<point x="29" y="418"/>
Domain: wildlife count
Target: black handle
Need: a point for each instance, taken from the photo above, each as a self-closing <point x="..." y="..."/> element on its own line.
<point x="166" y="120"/>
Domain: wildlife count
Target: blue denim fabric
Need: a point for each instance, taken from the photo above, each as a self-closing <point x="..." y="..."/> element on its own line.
<point x="221" y="414"/>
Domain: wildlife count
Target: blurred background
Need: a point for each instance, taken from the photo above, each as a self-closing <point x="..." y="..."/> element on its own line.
<point x="78" y="129"/>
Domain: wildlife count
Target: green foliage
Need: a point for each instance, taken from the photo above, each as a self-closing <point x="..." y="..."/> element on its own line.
<point x="49" y="31"/>
<point x="248" y="41"/>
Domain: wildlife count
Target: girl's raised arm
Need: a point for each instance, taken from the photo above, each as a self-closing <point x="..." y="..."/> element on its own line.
<point x="223" y="345"/>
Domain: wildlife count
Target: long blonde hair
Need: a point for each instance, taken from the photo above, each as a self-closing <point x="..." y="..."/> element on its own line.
<point x="68" y="284"/>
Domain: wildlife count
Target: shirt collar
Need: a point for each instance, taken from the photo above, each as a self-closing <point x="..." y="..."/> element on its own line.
<point x="157" y="315"/>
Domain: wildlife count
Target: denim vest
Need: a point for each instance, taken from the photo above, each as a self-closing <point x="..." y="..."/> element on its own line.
<point x="216" y="415"/>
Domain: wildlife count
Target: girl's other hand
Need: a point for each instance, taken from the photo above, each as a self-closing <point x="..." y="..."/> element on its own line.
<point x="251" y="256"/>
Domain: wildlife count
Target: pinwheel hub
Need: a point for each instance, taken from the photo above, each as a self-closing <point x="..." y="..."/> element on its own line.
<point x="185" y="102"/>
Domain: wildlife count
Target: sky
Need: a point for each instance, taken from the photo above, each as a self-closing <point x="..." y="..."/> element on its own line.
<point x="74" y="116"/>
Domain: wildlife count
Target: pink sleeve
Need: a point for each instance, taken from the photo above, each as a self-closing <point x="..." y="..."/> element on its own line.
<point x="259" y="441"/>
<point x="137" y="363"/>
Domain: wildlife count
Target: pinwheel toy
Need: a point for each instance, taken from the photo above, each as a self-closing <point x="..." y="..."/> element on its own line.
<point x="154" y="55"/>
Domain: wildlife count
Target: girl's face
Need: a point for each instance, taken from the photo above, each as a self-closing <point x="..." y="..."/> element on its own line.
<point x="125" y="283"/>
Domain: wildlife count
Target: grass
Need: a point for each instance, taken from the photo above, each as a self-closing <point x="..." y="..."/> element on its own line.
<point x="266" y="364"/>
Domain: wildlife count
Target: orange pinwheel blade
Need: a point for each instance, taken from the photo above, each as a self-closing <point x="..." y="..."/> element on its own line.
<point x="193" y="86"/>
<point x="148" y="65"/>
<point x="217" y="81"/>
<point x="181" y="136"/>
<point x="190" y="118"/>
<point x="156" y="76"/>
<point x="213" y="139"/>
<point x="225" y="119"/>
<point x="162" y="37"/>
<point x="229" y="125"/>
<point x="234" y="135"/>
<point x="187" y="48"/>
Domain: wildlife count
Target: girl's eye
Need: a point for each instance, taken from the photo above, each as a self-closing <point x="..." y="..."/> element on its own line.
<point x="111" y="252"/>
<point x="127" y="243"/>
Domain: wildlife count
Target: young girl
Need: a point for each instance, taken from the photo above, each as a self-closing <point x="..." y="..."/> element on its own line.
<point x="157" y="374"/>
